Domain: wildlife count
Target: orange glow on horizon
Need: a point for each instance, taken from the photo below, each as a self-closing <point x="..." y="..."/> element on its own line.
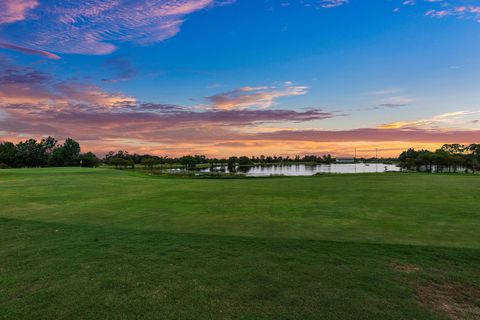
<point x="365" y="149"/>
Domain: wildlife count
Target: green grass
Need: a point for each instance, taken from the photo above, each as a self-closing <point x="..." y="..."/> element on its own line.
<point x="102" y="243"/>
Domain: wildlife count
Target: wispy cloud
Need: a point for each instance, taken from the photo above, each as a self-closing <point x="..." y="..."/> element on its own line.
<point x="332" y="3"/>
<point x="325" y="4"/>
<point x="389" y="98"/>
<point x="29" y="51"/>
<point x="95" y="26"/>
<point x="376" y="135"/>
<point x="20" y="85"/>
<point x="15" y="10"/>
<point x="395" y="102"/>
<point x="460" y="11"/>
<point x="385" y="91"/>
<point x="257" y="97"/>
<point x="464" y="9"/>
<point x="456" y="119"/>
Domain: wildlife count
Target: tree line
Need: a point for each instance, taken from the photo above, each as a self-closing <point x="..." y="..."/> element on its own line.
<point x="48" y="152"/>
<point x="125" y="159"/>
<point x="449" y="158"/>
<point x="45" y="153"/>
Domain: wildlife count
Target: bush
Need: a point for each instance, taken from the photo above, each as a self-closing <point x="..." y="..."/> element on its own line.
<point x="4" y="166"/>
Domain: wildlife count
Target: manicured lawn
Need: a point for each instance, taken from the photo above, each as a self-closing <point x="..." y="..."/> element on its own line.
<point x="100" y="243"/>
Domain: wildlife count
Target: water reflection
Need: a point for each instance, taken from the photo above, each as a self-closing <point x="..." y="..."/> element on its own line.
<point x="306" y="170"/>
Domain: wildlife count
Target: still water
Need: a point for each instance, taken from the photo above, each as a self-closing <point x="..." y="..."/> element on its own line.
<point x="308" y="170"/>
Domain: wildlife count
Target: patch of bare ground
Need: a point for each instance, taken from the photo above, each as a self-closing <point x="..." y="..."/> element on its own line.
<point x="404" y="267"/>
<point x="455" y="301"/>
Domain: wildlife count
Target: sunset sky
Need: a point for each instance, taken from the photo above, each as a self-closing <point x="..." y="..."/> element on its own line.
<point x="244" y="77"/>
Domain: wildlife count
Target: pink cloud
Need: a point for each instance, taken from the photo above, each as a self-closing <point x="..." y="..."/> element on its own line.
<point x="378" y="135"/>
<point x="29" y="51"/>
<point x="15" y="10"/>
<point x="24" y="85"/>
<point x="463" y="11"/>
<point x="258" y="97"/>
<point x="98" y="26"/>
<point x="33" y="103"/>
<point x="175" y="130"/>
<point x="149" y="128"/>
<point x="438" y="13"/>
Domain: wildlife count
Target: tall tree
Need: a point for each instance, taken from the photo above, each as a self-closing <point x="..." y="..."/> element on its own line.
<point x="65" y="155"/>
<point x="8" y="153"/>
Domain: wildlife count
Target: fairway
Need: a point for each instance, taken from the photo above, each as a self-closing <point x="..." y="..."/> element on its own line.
<point x="103" y="243"/>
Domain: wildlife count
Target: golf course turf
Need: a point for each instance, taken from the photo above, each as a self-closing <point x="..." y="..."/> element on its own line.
<point x="80" y="243"/>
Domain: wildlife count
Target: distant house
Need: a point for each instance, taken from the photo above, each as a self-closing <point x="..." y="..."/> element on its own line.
<point x="345" y="160"/>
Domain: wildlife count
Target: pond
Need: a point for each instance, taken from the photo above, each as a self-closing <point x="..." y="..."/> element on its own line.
<point x="307" y="170"/>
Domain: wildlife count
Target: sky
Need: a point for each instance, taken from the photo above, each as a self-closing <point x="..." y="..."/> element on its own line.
<point x="241" y="77"/>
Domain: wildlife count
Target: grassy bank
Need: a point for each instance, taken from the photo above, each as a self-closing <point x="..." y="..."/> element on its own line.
<point x="99" y="243"/>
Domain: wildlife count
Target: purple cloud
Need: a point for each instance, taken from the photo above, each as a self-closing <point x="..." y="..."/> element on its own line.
<point x="42" y="53"/>
<point x="25" y="85"/>
<point x="377" y="134"/>
<point x="151" y="125"/>
<point x="177" y="130"/>
<point x="15" y="10"/>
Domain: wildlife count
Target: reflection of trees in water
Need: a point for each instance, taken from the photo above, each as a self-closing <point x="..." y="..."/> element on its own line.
<point x="244" y="169"/>
<point x="300" y="169"/>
